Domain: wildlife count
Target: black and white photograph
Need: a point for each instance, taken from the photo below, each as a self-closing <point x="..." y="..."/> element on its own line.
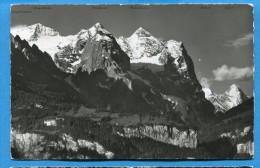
<point x="132" y="82"/>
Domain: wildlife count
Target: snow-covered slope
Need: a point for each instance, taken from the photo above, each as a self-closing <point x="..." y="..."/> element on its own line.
<point x="143" y="47"/>
<point x="47" y="39"/>
<point x="223" y="102"/>
<point x="34" y="32"/>
<point x="64" y="50"/>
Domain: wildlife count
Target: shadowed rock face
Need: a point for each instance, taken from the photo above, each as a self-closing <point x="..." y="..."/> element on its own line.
<point x="103" y="54"/>
<point x="179" y="81"/>
<point x="31" y="66"/>
<point x="97" y="42"/>
<point x="23" y="54"/>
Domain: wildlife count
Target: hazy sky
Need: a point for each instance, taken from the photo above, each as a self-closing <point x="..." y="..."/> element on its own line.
<point x="218" y="38"/>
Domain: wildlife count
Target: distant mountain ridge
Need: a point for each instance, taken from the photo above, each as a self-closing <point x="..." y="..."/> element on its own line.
<point x="34" y="32"/>
<point x="223" y="102"/>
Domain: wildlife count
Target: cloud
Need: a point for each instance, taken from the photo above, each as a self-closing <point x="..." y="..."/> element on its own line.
<point x="241" y="41"/>
<point x="232" y="73"/>
<point x="205" y="82"/>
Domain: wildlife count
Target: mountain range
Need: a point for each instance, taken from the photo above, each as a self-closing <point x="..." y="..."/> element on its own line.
<point x="136" y="87"/>
<point x="141" y="46"/>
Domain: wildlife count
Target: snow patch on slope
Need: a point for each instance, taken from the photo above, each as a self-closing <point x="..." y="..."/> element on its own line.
<point x="47" y="39"/>
<point x="207" y="92"/>
<point x="142" y="47"/>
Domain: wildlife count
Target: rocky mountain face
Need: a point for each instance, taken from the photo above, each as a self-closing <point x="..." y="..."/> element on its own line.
<point x="177" y="77"/>
<point x="96" y="39"/>
<point x="223" y="102"/>
<point x="32" y="54"/>
<point x="30" y="63"/>
<point x="102" y="52"/>
<point x="36" y="80"/>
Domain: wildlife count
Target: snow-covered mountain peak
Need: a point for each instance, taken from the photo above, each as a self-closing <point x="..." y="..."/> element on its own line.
<point x="33" y="26"/>
<point x="46" y="38"/>
<point x="36" y="25"/>
<point x="33" y="32"/>
<point x="223" y="102"/>
<point x="233" y="89"/>
<point x="235" y="92"/>
<point x="98" y="25"/>
<point x="96" y="32"/>
<point x="41" y="30"/>
<point x="82" y="31"/>
<point x="141" y="46"/>
<point x="98" y="28"/>
<point x="234" y="86"/>
<point x="141" y="32"/>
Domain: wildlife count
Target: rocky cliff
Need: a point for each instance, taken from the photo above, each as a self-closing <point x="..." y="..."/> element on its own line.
<point x="166" y="134"/>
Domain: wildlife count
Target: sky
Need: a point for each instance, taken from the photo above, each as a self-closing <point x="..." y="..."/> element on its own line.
<point x="218" y="38"/>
